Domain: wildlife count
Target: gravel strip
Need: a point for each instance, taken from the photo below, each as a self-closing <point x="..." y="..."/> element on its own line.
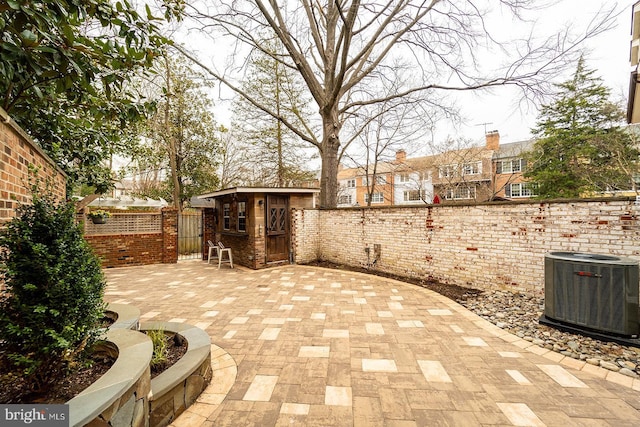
<point x="519" y="314"/>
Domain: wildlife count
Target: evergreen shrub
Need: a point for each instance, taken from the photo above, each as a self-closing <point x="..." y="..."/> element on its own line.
<point x="51" y="299"/>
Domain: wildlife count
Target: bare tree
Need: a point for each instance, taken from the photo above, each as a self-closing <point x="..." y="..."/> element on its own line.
<point x="378" y="132"/>
<point x="461" y="171"/>
<point x="342" y="48"/>
<point x="233" y="161"/>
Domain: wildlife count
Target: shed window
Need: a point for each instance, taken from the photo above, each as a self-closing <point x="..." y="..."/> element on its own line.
<point x="226" y="216"/>
<point x="242" y="216"/>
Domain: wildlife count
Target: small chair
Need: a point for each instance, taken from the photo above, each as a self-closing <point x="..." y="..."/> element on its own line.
<point x="213" y="248"/>
<point x="221" y="250"/>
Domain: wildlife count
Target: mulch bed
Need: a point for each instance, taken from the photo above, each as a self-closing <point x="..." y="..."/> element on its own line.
<point x="14" y="388"/>
<point x="176" y="348"/>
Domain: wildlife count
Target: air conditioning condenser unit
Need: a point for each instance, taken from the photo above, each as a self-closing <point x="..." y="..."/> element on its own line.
<point x="592" y="291"/>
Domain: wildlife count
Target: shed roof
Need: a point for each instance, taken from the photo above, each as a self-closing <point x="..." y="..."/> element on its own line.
<point x="271" y="190"/>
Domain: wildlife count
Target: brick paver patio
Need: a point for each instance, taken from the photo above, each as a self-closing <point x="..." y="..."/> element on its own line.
<point x="322" y="347"/>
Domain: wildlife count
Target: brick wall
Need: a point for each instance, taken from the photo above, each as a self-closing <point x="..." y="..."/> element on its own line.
<point x="17" y="152"/>
<point x="169" y="235"/>
<point x="305" y="234"/>
<point x="127" y="249"/>
<point x="499" y="245"/>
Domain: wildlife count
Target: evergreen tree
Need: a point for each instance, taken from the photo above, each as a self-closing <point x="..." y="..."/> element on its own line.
<point x="181" y="151"/>
<point x="51" y="299"/>
<point x="581" y="148"/>
<point x="270" y="145"/>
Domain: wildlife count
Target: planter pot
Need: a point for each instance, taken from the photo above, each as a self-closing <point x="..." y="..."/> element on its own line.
<point x="99" y="219"/>
<point x="174" y="390"/>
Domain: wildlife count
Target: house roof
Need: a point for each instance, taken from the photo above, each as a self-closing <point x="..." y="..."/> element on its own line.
<point x="270" y="190"/>
<point x="514" y="149"/>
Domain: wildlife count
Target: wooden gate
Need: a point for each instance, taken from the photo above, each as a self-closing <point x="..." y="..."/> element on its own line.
<point x="277" y="228"/>
<point x="190" y="235"/>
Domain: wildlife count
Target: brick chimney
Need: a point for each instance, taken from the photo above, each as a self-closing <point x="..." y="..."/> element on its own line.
<point x="493" y="140"/>
<point x="401" y="156"/>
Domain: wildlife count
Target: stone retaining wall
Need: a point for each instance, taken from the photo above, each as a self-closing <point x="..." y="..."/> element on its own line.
<point x="487" y="246"/>
<point x="126" y="396"/>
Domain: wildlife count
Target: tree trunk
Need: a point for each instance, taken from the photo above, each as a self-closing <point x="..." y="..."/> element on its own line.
<point x="329" y="156"/>
<point x="173" y="152"/>
<point x="279" y="130"/>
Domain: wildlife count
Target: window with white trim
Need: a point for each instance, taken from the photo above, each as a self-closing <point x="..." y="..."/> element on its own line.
<point x="242" y="216"/>
<point x="510" y="166"/>
<point x="404" y="177"/>
<point x="522" y="189"/>
<point x="460" y="193"/>
<point x="447" y="171"/>
<point x="414" y="195"/>
<point x="346" y="199"/>
<point x="226" y="216"/>
<point x="375" y="198"/>
<point x="474" y="168"/>
<point x="351" y="183"/>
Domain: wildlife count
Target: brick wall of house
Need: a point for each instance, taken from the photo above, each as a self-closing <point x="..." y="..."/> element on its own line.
<point x="487" y="246"/>
<point x="17" y="153"/>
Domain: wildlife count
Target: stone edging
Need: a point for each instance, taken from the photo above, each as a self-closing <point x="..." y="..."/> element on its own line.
<point x="127" y="396"/>
<point x="104" y="398"/>
<point x="224" y="375"/>
<point x="128" y="316"/>
<point x="174" y="390"/>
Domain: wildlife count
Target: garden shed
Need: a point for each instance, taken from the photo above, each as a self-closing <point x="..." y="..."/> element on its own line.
<point x="254" y="222"/>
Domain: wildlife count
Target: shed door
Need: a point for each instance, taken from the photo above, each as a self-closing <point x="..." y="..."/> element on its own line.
<point x="277" y="228"/>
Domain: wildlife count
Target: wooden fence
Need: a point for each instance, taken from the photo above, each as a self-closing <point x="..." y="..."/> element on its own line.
<point x="190" y="235"/>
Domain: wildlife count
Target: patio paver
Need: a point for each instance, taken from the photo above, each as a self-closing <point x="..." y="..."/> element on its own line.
<point x="298" y="345"/>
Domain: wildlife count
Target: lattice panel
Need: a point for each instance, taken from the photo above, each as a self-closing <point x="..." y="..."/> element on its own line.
<point x="283" y="219"/>
<point x="273" y="219"/>
<point x="133" y="223"/>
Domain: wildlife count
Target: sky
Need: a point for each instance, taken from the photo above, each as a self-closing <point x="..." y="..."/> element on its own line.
<point x="607" y="54"/>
